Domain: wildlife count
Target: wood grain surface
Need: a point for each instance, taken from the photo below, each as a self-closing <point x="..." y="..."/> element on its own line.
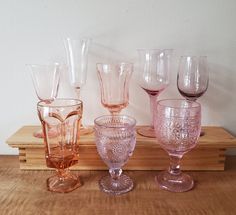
<point x="24" y="192"/>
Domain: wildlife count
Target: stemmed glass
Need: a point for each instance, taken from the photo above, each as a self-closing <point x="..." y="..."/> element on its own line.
<point x="77" y="60"/>
<point x="46" y="83"/>
<point x="154" y="68"/>
<point x="193" y="77"/>
<point x="177" y="126"/>
<point x="114" y="84"/>
<point x="61" y="152"/>
<point x="115" y="138"/>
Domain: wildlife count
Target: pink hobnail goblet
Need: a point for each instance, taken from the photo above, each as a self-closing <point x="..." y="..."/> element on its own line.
<point x="115" y="138"/>
<point x="177" y="126"/>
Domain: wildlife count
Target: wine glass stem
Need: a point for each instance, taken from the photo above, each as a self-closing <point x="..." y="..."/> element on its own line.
<point x="174" y="168"/>
<point x="153" y="99"/>
<point x="115" y="173"/>
<point x="62" y="173"/>
<point x="77" y="89"/>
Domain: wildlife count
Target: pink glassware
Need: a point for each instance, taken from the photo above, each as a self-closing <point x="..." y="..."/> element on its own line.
<point x="154" y="69"/>
<point x="193" y="77"/>
<point x="177" y="126"/>
<point x="114" y="84"/>
<point x="46" y="80"/>
<point x="61" y="152"/>
<point x="115" y="138"/>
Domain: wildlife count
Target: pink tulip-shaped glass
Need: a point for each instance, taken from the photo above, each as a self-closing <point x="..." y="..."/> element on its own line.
<point x="177" y="126"/>
<point x="114" y="84"/>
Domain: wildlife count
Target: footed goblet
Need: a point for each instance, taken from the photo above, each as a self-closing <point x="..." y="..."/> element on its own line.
<point x="114" y="83"/>
<point x="177" y="125"/>
<point x="61" y="151"/>
<point x="115" y="138"/>
<point x="46" y="80"/>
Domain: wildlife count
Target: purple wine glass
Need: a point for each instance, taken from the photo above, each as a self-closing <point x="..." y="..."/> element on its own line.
<point x="177" y="126"/>
<point x="193" y="77"/>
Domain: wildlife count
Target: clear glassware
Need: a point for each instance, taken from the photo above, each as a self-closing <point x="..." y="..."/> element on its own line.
<point x="193" y="77"/>
<point x="177" y="126"/>
<point x="61" y="152"/>
<point x="77" y="60"/>
<point x="154" y="69"/>
<point x="115" y="138"/>
<point x="114" y="84"/>
<point x="46" y="80"/>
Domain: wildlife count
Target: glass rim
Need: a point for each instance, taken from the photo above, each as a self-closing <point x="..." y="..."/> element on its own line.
<point x="96" y="121"/>
<point x="193" y="56"/>
<point x="78" y="39"/>
<point x="46" y="65"/>
<point x="159" y="49"/>
<point x="49" y="104"/>
<point x="176" y="107"/>
<point x="114" y="64"/>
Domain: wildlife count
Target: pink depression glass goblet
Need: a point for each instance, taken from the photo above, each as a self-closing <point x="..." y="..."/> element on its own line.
<point x="46" y="80"/>
<point x="114" y="84"/>
<point x="115" y="138"/>
<point x="154" y="69"/>
<point x="61" y="152"/>
<point x="193" y="77"/>
<point x="177" y="126"/>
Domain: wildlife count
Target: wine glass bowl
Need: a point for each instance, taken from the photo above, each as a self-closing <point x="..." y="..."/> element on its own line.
<point x="154" y="69"/>
<point x="61" y="152"/>
<point x="46" y="80"/>
<point x="192" y="78"/>
<point x="115" y="139"/>
<point x="177" y="126"/>
<point x="114" y="84"/>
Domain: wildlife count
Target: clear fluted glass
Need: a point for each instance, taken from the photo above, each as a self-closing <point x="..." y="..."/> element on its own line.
<point x="115" y="138"/>
<point x="177" y="126"/>
<point x="77" y="61"/>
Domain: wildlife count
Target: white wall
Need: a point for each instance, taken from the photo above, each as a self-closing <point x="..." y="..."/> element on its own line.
<point x="31" y="31"/>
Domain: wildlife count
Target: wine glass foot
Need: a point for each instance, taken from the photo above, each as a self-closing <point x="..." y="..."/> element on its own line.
<point x="202" y="133"/>
<point x="116" y="187"/>
<point x="147" y="131"/>
<point x="65" y="184"/>
<point x="38" y="134"/>
<point x="51" y="133"/>
<point x="174" y="183"/>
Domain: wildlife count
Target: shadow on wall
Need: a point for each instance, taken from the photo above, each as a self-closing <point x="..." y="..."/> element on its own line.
<point x="220" y="96"/>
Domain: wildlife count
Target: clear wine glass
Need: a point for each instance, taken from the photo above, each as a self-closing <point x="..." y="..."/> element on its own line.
<point x="154" y="69"/>
<point x="61" y="152"/>
<point x="77" y="60"/>
<point x="193" y="77"/>
<point x="177" y="126"/>
<point x="115" y="138"/>
<point x="114" y="84"/>
<point x="46" y="83"/>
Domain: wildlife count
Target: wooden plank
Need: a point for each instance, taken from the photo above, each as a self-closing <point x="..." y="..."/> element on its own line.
<point x="213" y="137"/>
<point x="208" y="155"/>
